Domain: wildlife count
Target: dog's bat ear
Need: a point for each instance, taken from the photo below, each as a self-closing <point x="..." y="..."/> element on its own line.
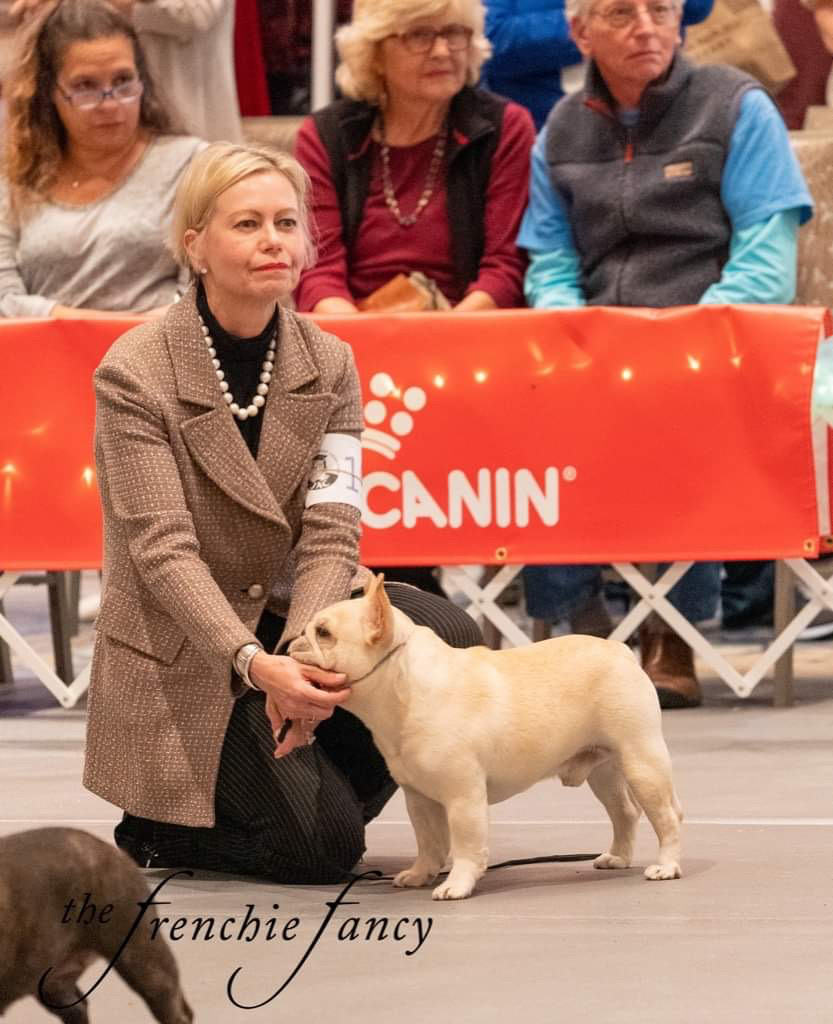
<point x="379" y="620"/>
<point x="376" y="580"/>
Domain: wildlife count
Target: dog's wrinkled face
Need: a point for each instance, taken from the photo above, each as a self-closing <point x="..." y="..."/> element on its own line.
<point x="350" y="636"/>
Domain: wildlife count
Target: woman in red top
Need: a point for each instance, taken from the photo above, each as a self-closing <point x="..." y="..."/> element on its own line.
<point x="416" y="170"/>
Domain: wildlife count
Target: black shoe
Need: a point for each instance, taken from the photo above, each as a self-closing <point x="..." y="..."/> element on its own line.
<point x="750" y="616"/>
<point x="135" y="836"/>
<point x="746" y="595"/>
<point x="819" y="629"/>
<point x="143" y="854"/>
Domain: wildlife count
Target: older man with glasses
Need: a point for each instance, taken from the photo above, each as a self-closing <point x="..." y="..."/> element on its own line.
<point x="658" y="184"/>
<point x="532" y="46"/>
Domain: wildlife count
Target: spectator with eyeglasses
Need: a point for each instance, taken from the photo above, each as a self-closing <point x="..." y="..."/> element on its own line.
<point x="416" y="170"/>
<point x="189" y="51"/>
<point x="658" y="184"/>
<point x="419" y="179"/>
<point x="92" y="160"/>
<point x="531" y="45"/>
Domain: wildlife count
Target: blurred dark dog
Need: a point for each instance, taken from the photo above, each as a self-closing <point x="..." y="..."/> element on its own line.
<point x="41" y="871"/>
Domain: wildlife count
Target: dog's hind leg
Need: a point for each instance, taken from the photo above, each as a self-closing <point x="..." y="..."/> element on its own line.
<point x="150" y="970"/>
<point x="431" y="829"/>
<point x="60" y="989"/>
<point x="610" y="787"/>
<point x="146" y="962"/>
<point x="63" y="996"/>
<point x="577" y="769"/>
<point x="648" y="773"/>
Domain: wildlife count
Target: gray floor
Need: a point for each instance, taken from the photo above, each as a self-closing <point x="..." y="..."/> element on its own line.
<point x="745" y="935"/>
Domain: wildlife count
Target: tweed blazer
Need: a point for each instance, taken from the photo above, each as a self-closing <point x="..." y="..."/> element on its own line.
<point x="198" y="537"/>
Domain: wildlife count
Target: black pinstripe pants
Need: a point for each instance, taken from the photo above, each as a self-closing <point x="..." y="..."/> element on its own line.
<point x="298" y="819"/>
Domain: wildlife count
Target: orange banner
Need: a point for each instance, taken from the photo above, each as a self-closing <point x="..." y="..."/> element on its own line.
<point x="518" y="436"/>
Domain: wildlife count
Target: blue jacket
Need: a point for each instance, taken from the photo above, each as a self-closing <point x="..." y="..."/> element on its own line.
<point x="531" y="44"/>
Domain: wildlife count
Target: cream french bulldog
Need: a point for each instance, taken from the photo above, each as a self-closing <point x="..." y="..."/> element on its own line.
<point x="460" y="729"/>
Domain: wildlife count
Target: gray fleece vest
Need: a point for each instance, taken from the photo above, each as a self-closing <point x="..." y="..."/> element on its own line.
<point x="644" y="202"/>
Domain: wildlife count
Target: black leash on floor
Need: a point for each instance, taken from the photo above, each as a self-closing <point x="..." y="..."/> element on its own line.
<point x="553" y="858"/>
<point x="375" y="875"/>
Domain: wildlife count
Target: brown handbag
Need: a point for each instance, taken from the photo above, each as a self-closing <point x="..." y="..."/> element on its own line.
<point x="405" y="293"/>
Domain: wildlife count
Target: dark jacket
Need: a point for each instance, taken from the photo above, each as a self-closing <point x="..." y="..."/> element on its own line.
<point x="644" y="202"/>
<point x="476" y="120"/>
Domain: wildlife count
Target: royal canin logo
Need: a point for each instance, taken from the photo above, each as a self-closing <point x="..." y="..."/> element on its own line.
<point x="495" y="496"/>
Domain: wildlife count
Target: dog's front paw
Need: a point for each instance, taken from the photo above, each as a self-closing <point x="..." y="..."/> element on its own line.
<point x="414" y="877"/>
<point x="661" y="872"/>
<point x="609" y="861"/>
<point x="454" y="889"/>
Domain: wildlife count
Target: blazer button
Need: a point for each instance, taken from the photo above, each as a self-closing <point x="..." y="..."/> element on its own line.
<point x="255" y="591"/>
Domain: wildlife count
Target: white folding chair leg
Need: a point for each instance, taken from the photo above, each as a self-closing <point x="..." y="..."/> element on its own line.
<point x="67" y="696"/>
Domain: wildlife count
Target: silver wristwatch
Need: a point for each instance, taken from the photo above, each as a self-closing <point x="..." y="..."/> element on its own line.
<point x="243" y="659"/>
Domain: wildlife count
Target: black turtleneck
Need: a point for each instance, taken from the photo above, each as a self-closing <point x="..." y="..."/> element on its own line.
<point x="240" y="360"/>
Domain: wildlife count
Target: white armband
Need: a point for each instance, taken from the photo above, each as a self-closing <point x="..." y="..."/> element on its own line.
<point x="336" y="472"/>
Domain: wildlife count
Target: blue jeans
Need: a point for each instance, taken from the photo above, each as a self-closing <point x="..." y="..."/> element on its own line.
<point x="554" y="591"/>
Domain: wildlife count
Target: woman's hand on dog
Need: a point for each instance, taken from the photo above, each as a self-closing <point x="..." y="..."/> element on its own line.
<point x="303" y="693"/>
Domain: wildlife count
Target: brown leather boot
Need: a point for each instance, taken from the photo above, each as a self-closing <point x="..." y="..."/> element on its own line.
<point x="669" y="661"/>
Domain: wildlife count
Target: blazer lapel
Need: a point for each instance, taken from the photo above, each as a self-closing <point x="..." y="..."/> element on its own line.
<point x="212" y="437"/>
<point x="293" y="422"/>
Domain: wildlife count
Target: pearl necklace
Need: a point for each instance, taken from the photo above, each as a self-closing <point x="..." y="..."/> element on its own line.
<point x="259" y="399"/>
